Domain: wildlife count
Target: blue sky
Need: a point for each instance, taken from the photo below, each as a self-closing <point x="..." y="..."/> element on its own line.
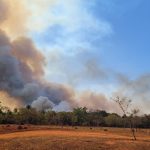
<point x="129" y="52"/>
<point x="128" y="49"/>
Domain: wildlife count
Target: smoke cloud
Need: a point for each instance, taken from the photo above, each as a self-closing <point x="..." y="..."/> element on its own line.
<point x="22" y="66"/>
<point x="42" y="103"/>
<point x="3" y="11"/>
<point x="21" y="77"/>
<point x="137" y="90"/>
<point x="13" y="17"/>
<point x="21" y="73"/>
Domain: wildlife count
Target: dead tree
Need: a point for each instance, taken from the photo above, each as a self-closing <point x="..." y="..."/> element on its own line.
<point x="124" y="103"/>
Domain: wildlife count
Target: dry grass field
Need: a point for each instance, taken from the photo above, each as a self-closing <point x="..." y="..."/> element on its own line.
<point x="68" y="138"/>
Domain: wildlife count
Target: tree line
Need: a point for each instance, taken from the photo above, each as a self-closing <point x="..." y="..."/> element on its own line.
<point x="78" y="117"/>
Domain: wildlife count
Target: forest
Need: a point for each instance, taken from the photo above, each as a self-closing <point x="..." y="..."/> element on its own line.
<point x="80" y="116"/>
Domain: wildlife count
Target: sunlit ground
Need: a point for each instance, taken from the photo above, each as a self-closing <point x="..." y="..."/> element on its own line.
<point x="72" y="138"/>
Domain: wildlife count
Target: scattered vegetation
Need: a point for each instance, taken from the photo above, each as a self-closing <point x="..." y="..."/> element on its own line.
<point x="78" y="117"/>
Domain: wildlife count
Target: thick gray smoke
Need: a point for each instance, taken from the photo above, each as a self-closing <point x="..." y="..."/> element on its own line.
<point x="21" y="71"/>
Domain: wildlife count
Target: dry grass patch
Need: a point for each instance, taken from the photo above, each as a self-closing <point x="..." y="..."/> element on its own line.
<point x="72" y="139"/>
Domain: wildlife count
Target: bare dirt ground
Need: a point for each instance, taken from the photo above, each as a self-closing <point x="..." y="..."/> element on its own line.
<point x="68" y="138"/>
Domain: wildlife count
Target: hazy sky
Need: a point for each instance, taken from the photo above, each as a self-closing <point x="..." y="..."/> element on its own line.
<point x="113" y="34"/>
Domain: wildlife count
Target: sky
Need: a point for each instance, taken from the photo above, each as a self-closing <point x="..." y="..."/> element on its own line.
<point x="100" y="46"/>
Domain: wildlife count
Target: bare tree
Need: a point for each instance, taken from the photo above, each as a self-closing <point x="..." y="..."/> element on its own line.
<point x="124" y="103"/>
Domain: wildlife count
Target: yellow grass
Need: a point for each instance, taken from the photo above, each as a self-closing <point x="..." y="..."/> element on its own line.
<point x="68" y="138"/>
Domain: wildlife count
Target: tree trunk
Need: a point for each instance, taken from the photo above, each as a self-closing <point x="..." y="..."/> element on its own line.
<point x="132" y="129"/>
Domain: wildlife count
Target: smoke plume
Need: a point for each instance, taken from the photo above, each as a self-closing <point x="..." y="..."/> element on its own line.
<point x="21" y="73"/>
<point x="22" y="67"/>
<point x="138" y="90"/>
<point x="42" y="103"/>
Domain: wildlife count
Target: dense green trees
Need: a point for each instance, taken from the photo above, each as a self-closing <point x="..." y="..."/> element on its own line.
<point x="114" y="120"/>
<point x="78" y="117"/>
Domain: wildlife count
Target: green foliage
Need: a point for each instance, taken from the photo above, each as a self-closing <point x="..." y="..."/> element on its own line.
<point x="78" y="117"/>
<point x="113" y="120"/>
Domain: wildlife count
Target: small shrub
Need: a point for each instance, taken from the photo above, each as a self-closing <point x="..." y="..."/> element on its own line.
<point x="19" y="127"/>
<point x="25" y="127"/>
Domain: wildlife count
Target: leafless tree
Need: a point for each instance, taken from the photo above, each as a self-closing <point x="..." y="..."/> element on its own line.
<point x="125" y="103"/>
